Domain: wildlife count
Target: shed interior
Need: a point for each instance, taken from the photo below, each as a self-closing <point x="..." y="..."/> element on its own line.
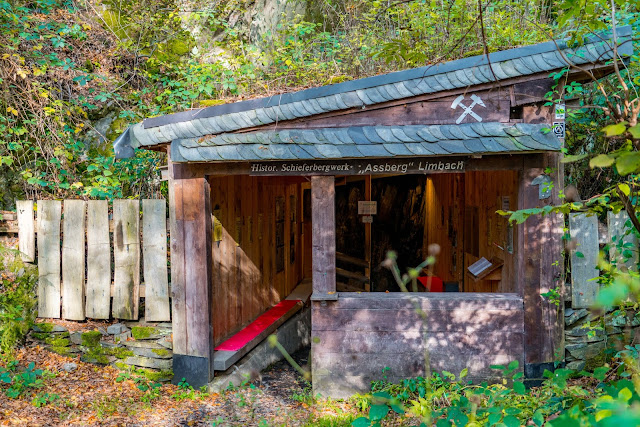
<point x="262" y="235"/>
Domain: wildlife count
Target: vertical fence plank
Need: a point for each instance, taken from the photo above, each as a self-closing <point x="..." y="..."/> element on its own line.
<point x="616" y="226"/>
<point x="584" y="260"/>
<point x="49" y="212"/>
<point x="126" y="253"/>
<point x="154" y="250"/>
<point x="73" y="260"/>
<point x="26" y="230"/>
<point x="98" y="260"/>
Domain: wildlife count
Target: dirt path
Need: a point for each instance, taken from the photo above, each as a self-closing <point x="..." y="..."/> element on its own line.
<point x="93" y="395"/>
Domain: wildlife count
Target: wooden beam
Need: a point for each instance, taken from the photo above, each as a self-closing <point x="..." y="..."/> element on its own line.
<point x="323" y="220"/>
<point x="98" y="260"/>
<point x="539" y="265"/>
<point x="190" y="219"/>
<point x="486" y="162"/>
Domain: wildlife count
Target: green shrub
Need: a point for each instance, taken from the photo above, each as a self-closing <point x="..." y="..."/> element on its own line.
<point x="17" y="298"/>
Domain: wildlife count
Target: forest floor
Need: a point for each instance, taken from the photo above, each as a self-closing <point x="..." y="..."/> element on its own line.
<point x="101" y="395"/>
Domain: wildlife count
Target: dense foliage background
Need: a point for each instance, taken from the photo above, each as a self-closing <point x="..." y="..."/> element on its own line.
<point x="75" y="74"/>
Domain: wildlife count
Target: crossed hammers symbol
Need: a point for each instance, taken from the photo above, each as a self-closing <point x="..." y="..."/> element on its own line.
<point x="468" y="111"/>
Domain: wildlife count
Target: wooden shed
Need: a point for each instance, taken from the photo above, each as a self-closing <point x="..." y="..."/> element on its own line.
<point x="319" y="184"/>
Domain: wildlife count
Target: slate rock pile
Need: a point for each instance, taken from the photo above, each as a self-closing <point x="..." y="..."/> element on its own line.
<point x="591" y="338"/>
<point x="145" y="348"/>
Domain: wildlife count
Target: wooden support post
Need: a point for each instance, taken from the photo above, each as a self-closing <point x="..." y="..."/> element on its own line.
<point x="540" y="265"/>
<point x="323" y="220"/>
<point x="190" y="228"/>
<point x="367" y="235"/>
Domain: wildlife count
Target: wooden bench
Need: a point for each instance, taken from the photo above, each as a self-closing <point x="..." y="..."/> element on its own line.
<point x="233" y="349"/>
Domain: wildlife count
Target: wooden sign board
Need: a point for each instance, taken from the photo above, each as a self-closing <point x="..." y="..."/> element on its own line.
<point x="367" y="208"/>
<point x="411" y="166"/>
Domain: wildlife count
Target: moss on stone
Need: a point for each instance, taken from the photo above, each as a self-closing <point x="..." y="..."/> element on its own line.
<point x="119" y="352"/>
<point x="62" y="351"/>
<point x="45" y="327"/>
<point x="96" y="355"/>
<point x="41" y="336"/>
<point x="143" y="332"/>
<point x="162" y="352"/>
<point x="57" y="342"/>
<point x="91" y="338"/>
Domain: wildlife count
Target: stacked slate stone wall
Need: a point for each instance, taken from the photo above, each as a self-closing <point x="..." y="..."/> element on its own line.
<point x="591" y="338"/>
<point x="146" y="348"/>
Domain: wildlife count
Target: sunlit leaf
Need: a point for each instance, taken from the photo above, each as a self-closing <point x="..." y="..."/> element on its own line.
<point x="615" y="129"/>
<point x="601" y="161"/>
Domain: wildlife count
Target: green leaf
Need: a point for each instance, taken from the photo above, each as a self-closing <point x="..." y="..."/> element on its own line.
<point x="628" y="163"/>
<point x="616" y="129"/>
<point x="626" y="190"/>
<point x="574" y="158"/>
<point x="495" y="418"/>
<point x="463" y="373"/>
<point x="625" y="394"/>
<point x="635" y="131"/>
<point x="579" y="254"/>
<point x="511" y="421"/>
<point x="601" y="161"/>
<point x="600" y="373"/>
<point x="378" y="412"/>
<point x="538" y="418"/>
<point x="361" y="422"/>
<point x="397" y="408"/>
<point x="519" y="387"/>
<point x="513" y="365"/>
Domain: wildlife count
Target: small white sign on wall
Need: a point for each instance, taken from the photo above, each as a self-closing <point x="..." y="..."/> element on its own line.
<point x="367" y="208"/>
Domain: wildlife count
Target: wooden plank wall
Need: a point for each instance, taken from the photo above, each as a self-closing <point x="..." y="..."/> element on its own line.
<point x="49" y="214"/>
<point x="484" y="190"/>
<point x="98" y="299"/>
<point x="26" y="230"/>
<point x="356" y="337"/>
<point x="444" y="221"/>
<point x="245" y="280"/>
<point x="584" y="260"/>
<point x="90" y="297"/>
<point x="453" y="197"/>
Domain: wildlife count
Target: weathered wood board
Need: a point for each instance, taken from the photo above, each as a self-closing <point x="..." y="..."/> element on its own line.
<point x="323" y="231"/>
<point x="621" y="243"/>
<point x="98" y="299"/>
<point x="73" y="260"/>
<point x="584" y="259"/>
<point x="49" y="213"/>
<point x="26" y="230"/>
<point x="154" y="249"/>
<point x="126" y="252"/>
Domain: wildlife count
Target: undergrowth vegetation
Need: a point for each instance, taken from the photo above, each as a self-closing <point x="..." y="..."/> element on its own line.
<point x="18" y="303"/>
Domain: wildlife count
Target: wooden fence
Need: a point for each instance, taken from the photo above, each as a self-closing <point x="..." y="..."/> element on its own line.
<point x="588" y="236"/>
<point x="72" y="242"/>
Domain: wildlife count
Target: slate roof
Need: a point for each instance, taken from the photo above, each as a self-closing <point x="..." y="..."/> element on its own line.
<point x="221" y="119"/>
<point x="367" y="141"/>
